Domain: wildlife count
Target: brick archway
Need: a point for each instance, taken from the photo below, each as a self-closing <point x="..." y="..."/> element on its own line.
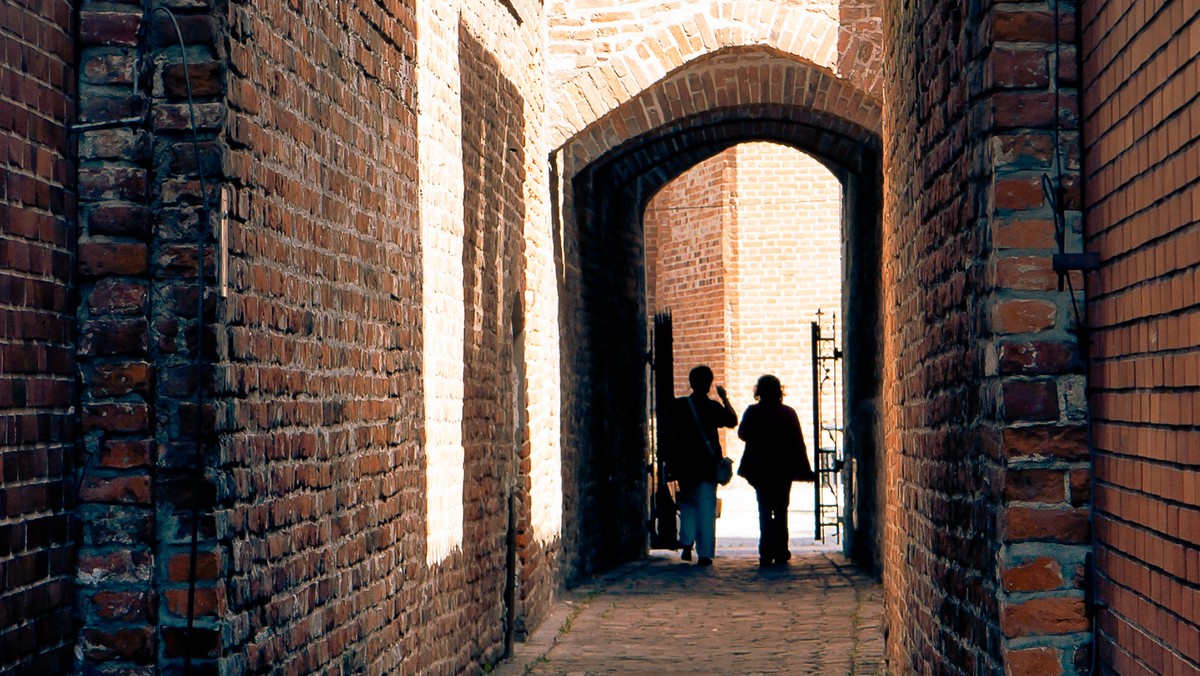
<point x="609" y="172"/>
<point x="653" y="45"/>
<point x="743" y="83"/>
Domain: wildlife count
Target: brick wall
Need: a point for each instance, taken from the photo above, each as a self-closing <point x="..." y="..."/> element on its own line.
<point x="689" y="225"/>
<point x="37" y="342"/>
<point x="1140" y="154"/>
<point x="495" y="501"/>
<point x="601" y="55"/>
<point x="789" y="265"/>
<point x="987" y="513"/>
<point x="321" y="523"/>
<point x="722" y="239"/>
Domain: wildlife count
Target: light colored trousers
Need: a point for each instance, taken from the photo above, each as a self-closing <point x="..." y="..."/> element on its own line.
<point x="698" y="517"/>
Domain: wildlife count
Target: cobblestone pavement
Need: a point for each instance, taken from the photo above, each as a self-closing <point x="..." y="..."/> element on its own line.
<point x="817" y="615"/>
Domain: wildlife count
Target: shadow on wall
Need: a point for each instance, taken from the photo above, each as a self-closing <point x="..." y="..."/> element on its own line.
<point x="496" y="482"/>
<point x="603" y="334"/>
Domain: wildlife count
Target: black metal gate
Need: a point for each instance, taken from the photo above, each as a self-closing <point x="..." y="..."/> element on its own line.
<point x="664" y="532"/>
<point x="827" y="428"/>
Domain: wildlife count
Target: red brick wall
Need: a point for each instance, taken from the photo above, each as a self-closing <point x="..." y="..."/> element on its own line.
<point x="789" y="265"/>
<point x="689" y="224"/>
<point x="496" y="463"/>
<point x="37" y="341"/>
<point x="987" y="471"/>
<point x="319" y="462"/>
<point x="1141" y="151"/>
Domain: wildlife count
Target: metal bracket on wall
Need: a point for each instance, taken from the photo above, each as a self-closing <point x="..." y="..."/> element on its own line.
<point x="1066" y="262"/>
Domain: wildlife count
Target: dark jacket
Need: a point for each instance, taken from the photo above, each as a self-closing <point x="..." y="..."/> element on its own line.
<point x="690" y="459"/>
<point x="774" y="445"/>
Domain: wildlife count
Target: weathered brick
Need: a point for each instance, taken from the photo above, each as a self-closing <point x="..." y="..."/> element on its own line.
<point x="192" y="29"/>
<point x="125" y="606"/>
<point x="208" y="601"/>
<point x="1044" y="616"/>
<point x="108" y="68"/>
<point x="124" y="417"/>
<point x="123" y="454"/>
<point x="118" y="220"/>
<point x="129" y="644"/>
<point x="111" y="337"/>
<point x="112" y="258"/>
<point x="1026" y="273"/>
<point x="1034" y="662"/>
<point x="1040" y="574"/>
<point x="208" y="567"/>
<point x="1036" y="485"/>
<point x="114" y="144"/>
<point x="1024" y="316"/>
<point x="1048" y="441"/>
<point x="206" y="79"/>
<point x="1032" y="109"/>
<point x="95" y="567"/>
<point x="199" y="643"/>
<point x="118" y="297"/>
<point x="1069" y="526"/>
<point x="1018" y="68"/>
<point x="119" y="28"/>
<point x="1081" y="487"/>
<point x="1021" y="25"/>
<point x="112" y="183"/>
<point x="1030" y="400"/>
<point x="134" y="490"/>
<point x="116" y="379"/>
<point x="1039" y="357"/>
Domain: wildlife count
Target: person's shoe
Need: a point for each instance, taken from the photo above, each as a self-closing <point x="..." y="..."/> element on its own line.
<point x="784" y="557"/>
<point x="764" y="561"/>
<point x="704" y="561"/>
<point x="686" y="554"/>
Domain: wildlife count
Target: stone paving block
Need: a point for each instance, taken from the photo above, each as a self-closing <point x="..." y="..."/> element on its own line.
<point x="817" y="615"/>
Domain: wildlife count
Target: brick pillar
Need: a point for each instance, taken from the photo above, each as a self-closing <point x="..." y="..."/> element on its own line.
<point x="140" y="217"/>
<point x="1035" y="374"/>
<point x="988" y="521"/>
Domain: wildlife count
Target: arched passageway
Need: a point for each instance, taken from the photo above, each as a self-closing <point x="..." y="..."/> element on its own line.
<point x="606" y="176"/>
<point x="744" y="255"/>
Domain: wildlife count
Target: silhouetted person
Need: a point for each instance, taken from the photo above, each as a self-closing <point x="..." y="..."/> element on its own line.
<point x="775" y="456"/>
<point x="695" y="454"/>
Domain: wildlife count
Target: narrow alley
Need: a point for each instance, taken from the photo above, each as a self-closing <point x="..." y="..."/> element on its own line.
<point x="819" y="614"/>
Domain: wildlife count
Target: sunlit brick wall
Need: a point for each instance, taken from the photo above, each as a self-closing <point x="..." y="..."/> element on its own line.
<point x="1141" y="151"/>
<point x="688" y="226"/>
<point x="789" y="266"/>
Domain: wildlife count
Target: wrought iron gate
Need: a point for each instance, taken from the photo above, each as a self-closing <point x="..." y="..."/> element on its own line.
<point x="827" y="427"/>
<point x="664" y="533"/>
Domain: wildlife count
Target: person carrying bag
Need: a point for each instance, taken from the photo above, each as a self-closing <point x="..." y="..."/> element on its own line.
<point x="699" y="464"/>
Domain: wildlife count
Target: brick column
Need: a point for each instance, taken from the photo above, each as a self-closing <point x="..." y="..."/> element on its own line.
<point x="139" y="337"/>
<point x="1035" y="374"/>
<point x="988" y="474"/>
